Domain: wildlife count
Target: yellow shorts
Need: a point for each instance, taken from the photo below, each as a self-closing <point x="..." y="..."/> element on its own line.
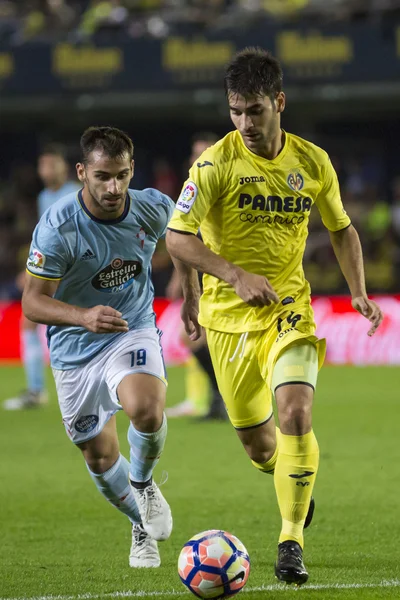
<point x="244" y="362"/>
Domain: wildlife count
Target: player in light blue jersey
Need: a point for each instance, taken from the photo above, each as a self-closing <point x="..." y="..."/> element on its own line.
<point x="53" y="170"/>
<point x="90" y="281"/>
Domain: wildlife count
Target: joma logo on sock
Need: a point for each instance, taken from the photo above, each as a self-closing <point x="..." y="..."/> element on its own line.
<point x="301" y="475"/>
<point x="303" y="483"/>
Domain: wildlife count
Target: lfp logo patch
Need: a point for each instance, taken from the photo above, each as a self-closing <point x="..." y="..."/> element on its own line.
<point x="187" y="197"/>
<point x="36" y="260"/>
<point x="295" y="181"/>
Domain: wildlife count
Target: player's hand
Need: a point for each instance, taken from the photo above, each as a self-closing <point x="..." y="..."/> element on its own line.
<point x="254" y="289"/>
<point x="103" y="319"/>
<point x="370" y="310"/>
<point x="190" y="318"/>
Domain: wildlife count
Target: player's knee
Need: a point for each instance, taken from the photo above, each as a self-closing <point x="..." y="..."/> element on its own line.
<point x="147" y="415"/>
<point x="295" y="419"/>
<point x="147" y="423"/>
<point x="294" y="409"/>
<point x="101" y="453"/>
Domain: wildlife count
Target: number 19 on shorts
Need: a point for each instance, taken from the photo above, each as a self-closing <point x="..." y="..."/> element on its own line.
<point x="138" y="358"/>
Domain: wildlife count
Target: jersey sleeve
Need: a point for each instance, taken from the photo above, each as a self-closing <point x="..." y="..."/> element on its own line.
<point x="200" y="191"/>
<point x="156" y="212"/>
<point x="329" y="202"/>
<point x="48" y="255"/>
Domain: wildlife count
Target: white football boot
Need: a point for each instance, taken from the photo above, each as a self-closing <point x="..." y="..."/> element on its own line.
<point x="144" y="552"/>
<point x="154" y="511"/>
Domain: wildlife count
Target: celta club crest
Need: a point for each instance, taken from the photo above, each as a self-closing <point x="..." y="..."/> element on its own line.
<point x="141" y="235"/>
<point x="295" y="181"/>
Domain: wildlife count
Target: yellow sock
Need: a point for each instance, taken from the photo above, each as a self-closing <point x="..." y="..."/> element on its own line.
<point x="295" y="472"/>
<point x="197" y="386"/>
<point x="269" y="465"/>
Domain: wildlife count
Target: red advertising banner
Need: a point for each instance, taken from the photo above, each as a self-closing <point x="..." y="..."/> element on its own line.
<point x="344" y="329"/>
<point x="10" y="316"/>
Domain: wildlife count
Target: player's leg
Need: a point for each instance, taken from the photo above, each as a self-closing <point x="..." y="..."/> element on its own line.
<point x="293" y="382"/>
<point x="109" y="471"/>
<point x="237" y="360"/>
<point x="33" y="358"/>
<point x="203" y="398"/>
<point x="260" y="443"/>
<point x="196" y="392"/>
<point x="216" y="409"/>
<point x="136" y="376"/>
<point x="33" y="362"/>
<point x="247" y="399"/>
<point x="88" y="415"/>
<point x="142" y="396"/>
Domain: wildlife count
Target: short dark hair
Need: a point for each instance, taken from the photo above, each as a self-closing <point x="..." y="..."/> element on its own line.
<point x="54" y="149"/>
<point x="110" y="140"/>
<point x="253" y="72"/>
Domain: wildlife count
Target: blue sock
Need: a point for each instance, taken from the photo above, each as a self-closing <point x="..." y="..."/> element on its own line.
<point x="146" y="449"/>
<point x="33" y="360"/>
<point x="115" y="487"/>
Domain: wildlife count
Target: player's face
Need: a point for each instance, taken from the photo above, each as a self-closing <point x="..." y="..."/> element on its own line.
<point x="52" y="170"/>
<point x="257" y="119"/>
<point x="106" y="182"/>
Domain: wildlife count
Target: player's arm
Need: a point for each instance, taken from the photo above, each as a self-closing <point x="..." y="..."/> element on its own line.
<point x="189" y="249"/>
<point x="39" y="306"/>
<point x="189" y="284"/>
<point x="198" y="196"/>
<point x="347" y="247"/>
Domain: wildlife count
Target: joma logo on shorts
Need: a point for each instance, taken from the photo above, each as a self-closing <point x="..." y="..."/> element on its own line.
<point x="283" y="333"/>
<point x="275" y="203"/>
<point x="253" y="179"/>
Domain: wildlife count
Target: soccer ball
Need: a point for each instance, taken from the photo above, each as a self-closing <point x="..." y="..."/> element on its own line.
<point x="214" y="564"/>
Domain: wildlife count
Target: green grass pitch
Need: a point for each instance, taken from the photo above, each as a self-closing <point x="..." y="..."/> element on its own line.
<point x="59" y="538"/>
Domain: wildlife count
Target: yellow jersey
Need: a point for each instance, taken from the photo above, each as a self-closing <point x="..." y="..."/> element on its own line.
<point x="254" y="213"/>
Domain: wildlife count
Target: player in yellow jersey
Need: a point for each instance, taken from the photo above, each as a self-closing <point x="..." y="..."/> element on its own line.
<point x="251" y="194"/>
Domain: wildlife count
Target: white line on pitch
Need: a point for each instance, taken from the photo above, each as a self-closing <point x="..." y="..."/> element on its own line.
<point x="390" y="583"/>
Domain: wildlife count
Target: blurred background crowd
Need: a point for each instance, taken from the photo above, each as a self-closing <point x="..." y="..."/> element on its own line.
<point x="80" y="19"/>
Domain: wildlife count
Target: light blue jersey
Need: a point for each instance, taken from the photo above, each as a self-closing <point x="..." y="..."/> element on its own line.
<point x="99" y="262"/>
<point x="48" y="197"/>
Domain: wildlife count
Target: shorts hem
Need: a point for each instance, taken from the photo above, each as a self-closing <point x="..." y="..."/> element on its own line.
<point x="294" y="383"/>
<point x="263" y="422"/>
